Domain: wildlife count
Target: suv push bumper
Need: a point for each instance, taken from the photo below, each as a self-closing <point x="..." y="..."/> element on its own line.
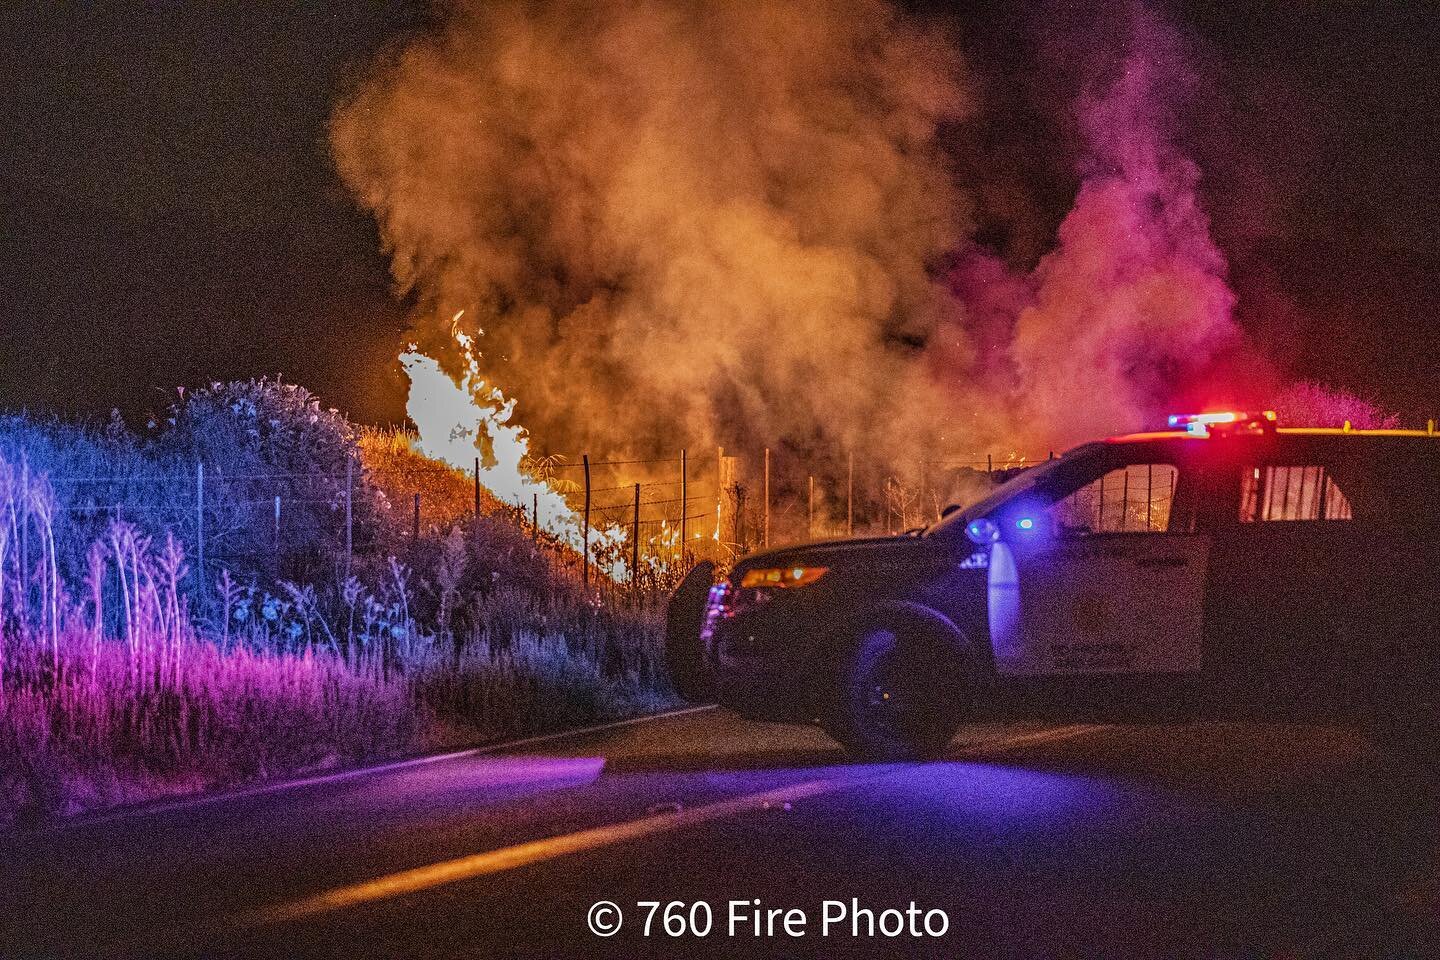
<point x="761" y="661"/>
<point x="765" y="671"/>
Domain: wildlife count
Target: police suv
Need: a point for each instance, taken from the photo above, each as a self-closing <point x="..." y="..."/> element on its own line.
<point x="1223" y="568"/>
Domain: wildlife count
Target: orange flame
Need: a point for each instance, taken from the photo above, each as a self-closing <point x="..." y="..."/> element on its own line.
<point x="458" y="421"/>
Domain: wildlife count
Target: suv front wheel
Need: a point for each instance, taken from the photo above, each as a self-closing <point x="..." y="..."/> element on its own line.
<point x="898" y="695"/>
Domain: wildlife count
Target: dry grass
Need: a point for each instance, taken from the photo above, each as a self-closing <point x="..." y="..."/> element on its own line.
<point x="88" y="730"/>
<point x="97" y="731"/>
<point x="113" y="693"/>
<point x="398" y="473"/>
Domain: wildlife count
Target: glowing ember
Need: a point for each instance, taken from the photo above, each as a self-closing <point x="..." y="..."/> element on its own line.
<point x="458" y="421"/>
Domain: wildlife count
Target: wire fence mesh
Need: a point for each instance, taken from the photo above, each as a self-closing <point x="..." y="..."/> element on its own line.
<point x="641" y="521"/>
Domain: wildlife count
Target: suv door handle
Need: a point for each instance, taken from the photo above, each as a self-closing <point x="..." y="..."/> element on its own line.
<point x="1161" y="562"/>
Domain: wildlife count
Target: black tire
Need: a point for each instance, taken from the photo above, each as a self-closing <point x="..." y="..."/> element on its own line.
<point x="899" y="695"/>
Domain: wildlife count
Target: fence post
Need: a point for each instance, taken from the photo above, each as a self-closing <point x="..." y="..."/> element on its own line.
<point x="1125" y="500"/>
<point x="766" y="538"/>
<point x="740" y="531"/>
<point x="684" y="501"/>
<point x="719" y="491"/>
<point x="924" y="490"/>
<point x="477" y="488"/>
<point x="585" y="550"/>
<point x="200" y="525"/>
<point x="349" y="512"/>
<point x="990" y="468"/>
<point x="635" y="542"/>
<point x="810" y="520"/>
<point x="415" y="526"/>
<point x="1149" y="496"/>
<point x="850" y="495"/>
<point x="535" y="516"/>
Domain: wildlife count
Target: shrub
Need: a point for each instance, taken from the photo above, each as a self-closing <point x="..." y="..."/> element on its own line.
<point x="1308" y="403"/>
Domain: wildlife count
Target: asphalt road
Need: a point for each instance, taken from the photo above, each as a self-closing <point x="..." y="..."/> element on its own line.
<point x="1031" y="840"/>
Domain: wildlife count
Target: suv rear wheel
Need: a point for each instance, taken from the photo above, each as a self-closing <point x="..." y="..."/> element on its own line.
<point x="898" y="695"/>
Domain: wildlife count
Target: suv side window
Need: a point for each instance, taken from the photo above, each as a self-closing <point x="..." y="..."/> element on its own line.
<point x="1291" y="492"/>
<point x="1139" y="498"/>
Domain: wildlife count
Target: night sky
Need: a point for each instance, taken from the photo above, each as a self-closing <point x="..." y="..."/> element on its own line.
<point x="169" y="213"/>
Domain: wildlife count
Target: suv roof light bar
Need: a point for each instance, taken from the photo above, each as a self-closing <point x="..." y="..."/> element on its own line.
<point x="1200" y="424"/>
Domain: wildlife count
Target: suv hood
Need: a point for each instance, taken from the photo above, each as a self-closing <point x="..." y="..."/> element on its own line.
<point x="838" y="552"/>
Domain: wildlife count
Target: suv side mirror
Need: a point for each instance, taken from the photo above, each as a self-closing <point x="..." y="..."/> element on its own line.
<point x="982" y="531"/>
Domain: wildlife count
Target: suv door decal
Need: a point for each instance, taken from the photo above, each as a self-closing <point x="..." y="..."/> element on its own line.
<point x="1112" y="582"/>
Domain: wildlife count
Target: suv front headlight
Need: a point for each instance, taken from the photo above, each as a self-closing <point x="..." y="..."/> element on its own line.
<point x="781" y="577"/>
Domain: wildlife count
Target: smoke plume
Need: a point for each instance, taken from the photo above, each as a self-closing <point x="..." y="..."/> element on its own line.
<point x="715" y="220"/>
<point x="704" y="220"/>
<point x="1133" y="303"/>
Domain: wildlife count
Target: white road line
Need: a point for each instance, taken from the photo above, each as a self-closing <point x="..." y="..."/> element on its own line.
<point x="1006" y="744"/>
<point x="508" y="858"/>
<point x="469" y="867"/>
<point x="187" y="803"/>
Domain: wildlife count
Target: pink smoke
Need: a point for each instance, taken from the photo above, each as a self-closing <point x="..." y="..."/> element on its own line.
<point x="1132" y="306"/>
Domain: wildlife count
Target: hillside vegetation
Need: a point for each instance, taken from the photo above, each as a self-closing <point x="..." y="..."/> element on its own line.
<point x="239" y="593"/>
